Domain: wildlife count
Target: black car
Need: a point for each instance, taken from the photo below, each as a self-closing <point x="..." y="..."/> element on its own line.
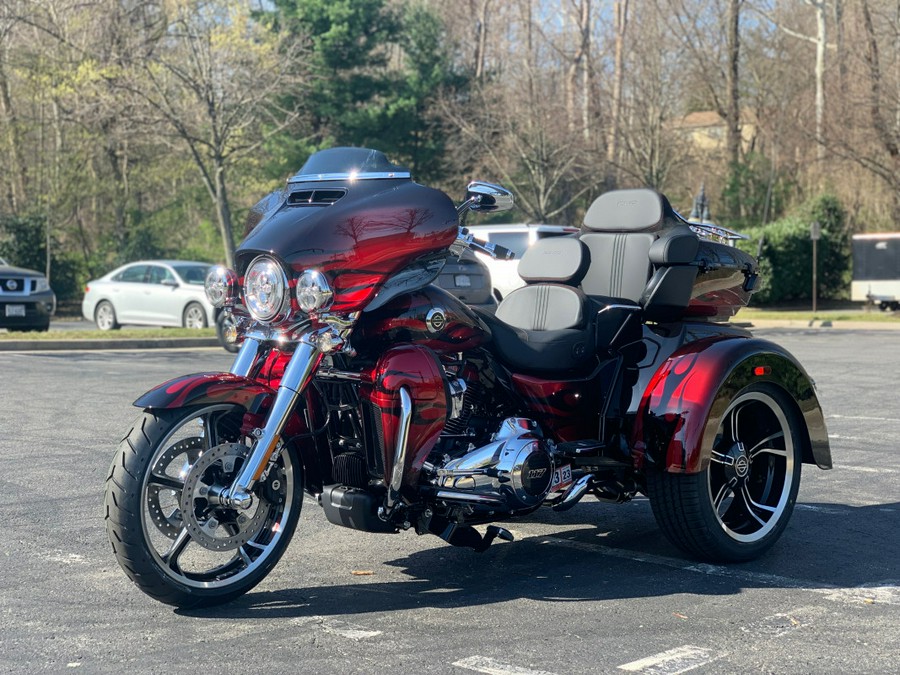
<point x="468" y="279"/>
<point x="26" y="299"/>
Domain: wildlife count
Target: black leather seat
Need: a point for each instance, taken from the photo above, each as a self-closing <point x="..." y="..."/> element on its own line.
<point x="547" y="325"/>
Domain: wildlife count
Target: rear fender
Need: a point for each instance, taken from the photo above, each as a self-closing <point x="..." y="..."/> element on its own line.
<point x="684" y="403"/>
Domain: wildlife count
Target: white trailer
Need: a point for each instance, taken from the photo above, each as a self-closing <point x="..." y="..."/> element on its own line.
<point x="876" y="269"/>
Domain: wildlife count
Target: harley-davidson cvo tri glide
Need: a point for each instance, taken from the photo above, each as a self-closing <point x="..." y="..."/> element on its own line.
<point x="612" y="372"/>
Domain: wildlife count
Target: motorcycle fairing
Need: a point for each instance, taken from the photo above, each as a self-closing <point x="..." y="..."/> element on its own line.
<point x="418" y="370"/>
<point x="378" y="229"/>
<point x="686" y="399"/>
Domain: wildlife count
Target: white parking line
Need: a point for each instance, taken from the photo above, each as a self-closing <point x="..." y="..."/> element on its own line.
<point x="337" y="627"/>
<point x="881" y="592"/>
<point x="674" y="661"/>
<point x="864" y="419"/>
<point x="483" y="664"/>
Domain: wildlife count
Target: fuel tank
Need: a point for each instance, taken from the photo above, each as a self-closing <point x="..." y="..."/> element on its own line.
<point x="430" y="317"/>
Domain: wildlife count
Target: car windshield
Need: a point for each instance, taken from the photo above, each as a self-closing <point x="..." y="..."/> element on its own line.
<point x="192" y="274"/>
<point x="517" y="242"/>
<point x="3" y="262"/>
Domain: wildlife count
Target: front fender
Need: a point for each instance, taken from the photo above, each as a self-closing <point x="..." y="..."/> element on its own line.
<point x="684" y="403"/>
<point x="208" y="388"/>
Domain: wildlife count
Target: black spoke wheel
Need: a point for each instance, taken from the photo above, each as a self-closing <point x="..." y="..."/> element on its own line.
<point x="170" y="530"/>
<point x="738" y="506"/>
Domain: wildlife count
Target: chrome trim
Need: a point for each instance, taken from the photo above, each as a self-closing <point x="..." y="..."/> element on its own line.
<point x="321" y="177"/>
<point x="606" y="308"/>
<point x="406" y="411"/>
<point x="574" y="494"/>
<point x="470" y="497"/>
<point x="246" y="357"/>
<point x="331" y="373"/>
<point x="296" y="378"/>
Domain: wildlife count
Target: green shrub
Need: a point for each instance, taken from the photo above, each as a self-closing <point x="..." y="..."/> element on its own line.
<point x="786" y="254"/>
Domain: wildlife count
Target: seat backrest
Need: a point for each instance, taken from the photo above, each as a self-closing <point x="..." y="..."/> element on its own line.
<point x="552" y="269"/>
<point x="619" y="229"/>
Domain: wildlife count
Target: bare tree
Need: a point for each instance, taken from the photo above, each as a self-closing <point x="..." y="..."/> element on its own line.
<point x="214" y="78"/>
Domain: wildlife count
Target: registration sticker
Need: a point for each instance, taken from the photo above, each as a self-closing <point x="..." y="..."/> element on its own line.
<point x="562" y="477"/>
<point x="15" y="310"/>
<point x="462" y="280"/>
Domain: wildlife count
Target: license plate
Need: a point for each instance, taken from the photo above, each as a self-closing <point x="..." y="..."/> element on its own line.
<point x="562" y="478"/>
<point x="15" y="310"/>
<point x="462" y="280"/>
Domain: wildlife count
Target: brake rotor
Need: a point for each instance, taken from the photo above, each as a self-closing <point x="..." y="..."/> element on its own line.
<point x="210" y="524"/>
<point x="168" y="520"/>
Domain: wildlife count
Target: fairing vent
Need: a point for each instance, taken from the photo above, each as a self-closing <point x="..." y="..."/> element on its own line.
<point x="315" y="197"/>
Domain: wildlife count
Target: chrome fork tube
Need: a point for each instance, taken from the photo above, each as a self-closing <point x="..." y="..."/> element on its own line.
<point x="296" y="378"/>
<point x="246" y="358"/>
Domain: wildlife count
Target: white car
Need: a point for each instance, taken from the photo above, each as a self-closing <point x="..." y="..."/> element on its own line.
<point x="150" y="293"/>
<point x="517" y="238"/>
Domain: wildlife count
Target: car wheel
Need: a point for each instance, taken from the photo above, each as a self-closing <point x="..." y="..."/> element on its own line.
<point x="105" y="316"/>
<point x="194" y="316"/>
<point x="736" y="508"/>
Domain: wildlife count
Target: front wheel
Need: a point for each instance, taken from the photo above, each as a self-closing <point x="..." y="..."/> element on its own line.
<point x="738" y="506"/>
<point x="168" y="529"/>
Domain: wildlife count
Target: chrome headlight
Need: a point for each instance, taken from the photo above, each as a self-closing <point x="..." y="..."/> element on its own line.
<point x="41" y="285"/>
<point x="313" y="292"/>
<point x="266" y="289"/>
<point x="220" y="285"/>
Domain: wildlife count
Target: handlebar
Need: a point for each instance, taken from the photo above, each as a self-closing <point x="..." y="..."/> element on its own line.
<point x="466" y="240"/>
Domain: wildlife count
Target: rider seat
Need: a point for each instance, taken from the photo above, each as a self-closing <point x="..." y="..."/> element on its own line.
<point x="548" y="324"/>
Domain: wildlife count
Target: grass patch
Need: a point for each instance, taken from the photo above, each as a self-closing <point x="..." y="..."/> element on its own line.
<point x="754" y="313"/>
<point x="122" y="334"/>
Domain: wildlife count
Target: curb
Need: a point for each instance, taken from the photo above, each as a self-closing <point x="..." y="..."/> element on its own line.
<point x="824" y="324"/>
<point x="75" y="345"/>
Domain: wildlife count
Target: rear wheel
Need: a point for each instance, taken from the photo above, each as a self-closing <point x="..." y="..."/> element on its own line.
<point x="738" y="507"/>
<point x="105" y="316"/>
<point x="169" y="530"/>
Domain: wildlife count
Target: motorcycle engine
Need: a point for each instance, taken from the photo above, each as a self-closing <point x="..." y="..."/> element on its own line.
<point x="511" y="473"/>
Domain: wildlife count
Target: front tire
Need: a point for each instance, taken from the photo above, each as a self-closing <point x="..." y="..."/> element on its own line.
<point x="739" y="505"/>
<point x="207" y="554"/>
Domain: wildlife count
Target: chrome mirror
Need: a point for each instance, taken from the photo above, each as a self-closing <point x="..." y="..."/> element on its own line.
<point x="488" y="197"/>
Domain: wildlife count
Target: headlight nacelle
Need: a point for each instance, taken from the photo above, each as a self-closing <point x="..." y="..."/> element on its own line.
<point x="266" y="293"/>
<point x="314" y="294"/>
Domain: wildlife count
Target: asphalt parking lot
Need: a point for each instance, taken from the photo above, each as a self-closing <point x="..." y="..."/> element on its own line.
<point x="593" y="590"/>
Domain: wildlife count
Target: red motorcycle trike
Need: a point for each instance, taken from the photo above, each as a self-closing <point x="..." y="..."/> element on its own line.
<point x="613" y="371"/>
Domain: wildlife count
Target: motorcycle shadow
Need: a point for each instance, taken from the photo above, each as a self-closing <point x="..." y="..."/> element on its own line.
<point x="557" y="558"/>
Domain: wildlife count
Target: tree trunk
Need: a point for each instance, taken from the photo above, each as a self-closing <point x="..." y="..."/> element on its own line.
<point x="821" y="39"/>
<point x="732" y="83"/>
<point x="16" y="195"/>
<point x="481" y="42"/>
<point x="223" y="213"/>
<point x="612" y="143"/>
